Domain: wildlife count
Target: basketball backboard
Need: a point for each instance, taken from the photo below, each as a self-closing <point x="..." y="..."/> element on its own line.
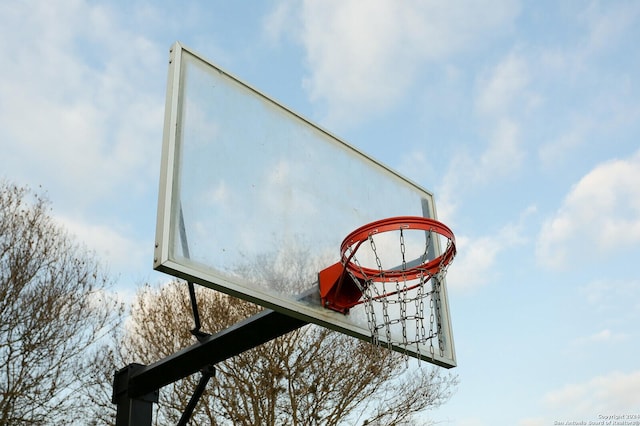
<point x="255" y="200"/>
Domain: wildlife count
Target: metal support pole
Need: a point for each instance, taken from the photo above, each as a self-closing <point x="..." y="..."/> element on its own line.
<point x="247" y="334"/>
<point x="196" y="331"/>
<point x="132" y="411"/>
<point x="135" y="387"/>
<point x="207" y="374"/>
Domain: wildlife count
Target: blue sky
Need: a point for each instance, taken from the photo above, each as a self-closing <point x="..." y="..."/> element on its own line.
<point x="522" y="118"/>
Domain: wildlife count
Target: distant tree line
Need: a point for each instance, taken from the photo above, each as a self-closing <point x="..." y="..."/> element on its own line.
<point x="54" y="311"/>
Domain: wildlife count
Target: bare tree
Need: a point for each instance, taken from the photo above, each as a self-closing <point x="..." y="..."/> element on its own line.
<point x="53" y="310"/>
<point x="311" y="376"/>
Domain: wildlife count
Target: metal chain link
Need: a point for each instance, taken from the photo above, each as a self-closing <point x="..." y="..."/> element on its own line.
<point x="379" y="294"/>
<point x="436" y="297"/>
<point x="375" y="252"/>
<point x="402" y="250"/>
<point x="419" y="304"/>
<point x="431" y="322"/>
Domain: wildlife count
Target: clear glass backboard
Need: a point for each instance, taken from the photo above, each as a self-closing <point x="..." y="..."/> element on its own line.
<point x="255" y="200"/>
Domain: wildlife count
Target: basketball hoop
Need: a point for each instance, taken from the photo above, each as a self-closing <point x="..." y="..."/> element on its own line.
<point x="394" y="268"/>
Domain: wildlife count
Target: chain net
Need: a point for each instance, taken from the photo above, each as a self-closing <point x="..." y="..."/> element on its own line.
<point x="402" y="310"/>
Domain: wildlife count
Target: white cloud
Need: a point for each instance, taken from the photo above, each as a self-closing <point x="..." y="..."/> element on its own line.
<point x="582" y="78"/>
<point x="502" y="157"/>
<point x="601" y="214"/>
<point x="75" y="98"/>
<point x="505" y="87"/>
<point x="600" y="337"/>
<point x="613" y="295"/>
<point x="500" y="93"/>
<point x="607" y="24"/>
<point x="363" y="56"/>
<point x="279" y="21"/>
<point x="112" y="247"/>
<point x="614" y="393"/>
<point x="475" y="264"/>
<point x="560" y="148"/>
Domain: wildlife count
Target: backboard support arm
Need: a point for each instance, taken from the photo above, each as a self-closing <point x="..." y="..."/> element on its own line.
<point x="196" y="331"/>
<point x="136" y="387"/>
<point x="207" y="373"/>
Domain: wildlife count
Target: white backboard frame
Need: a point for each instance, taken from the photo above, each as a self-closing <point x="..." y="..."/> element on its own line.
<point x="171" y="254"/>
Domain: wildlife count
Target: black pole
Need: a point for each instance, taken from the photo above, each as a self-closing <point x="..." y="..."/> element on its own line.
<point x="135" y="387"/>
<point x="207" y="373"/>
<point x="132" y="410"/>
<point x="196" y="331"/>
